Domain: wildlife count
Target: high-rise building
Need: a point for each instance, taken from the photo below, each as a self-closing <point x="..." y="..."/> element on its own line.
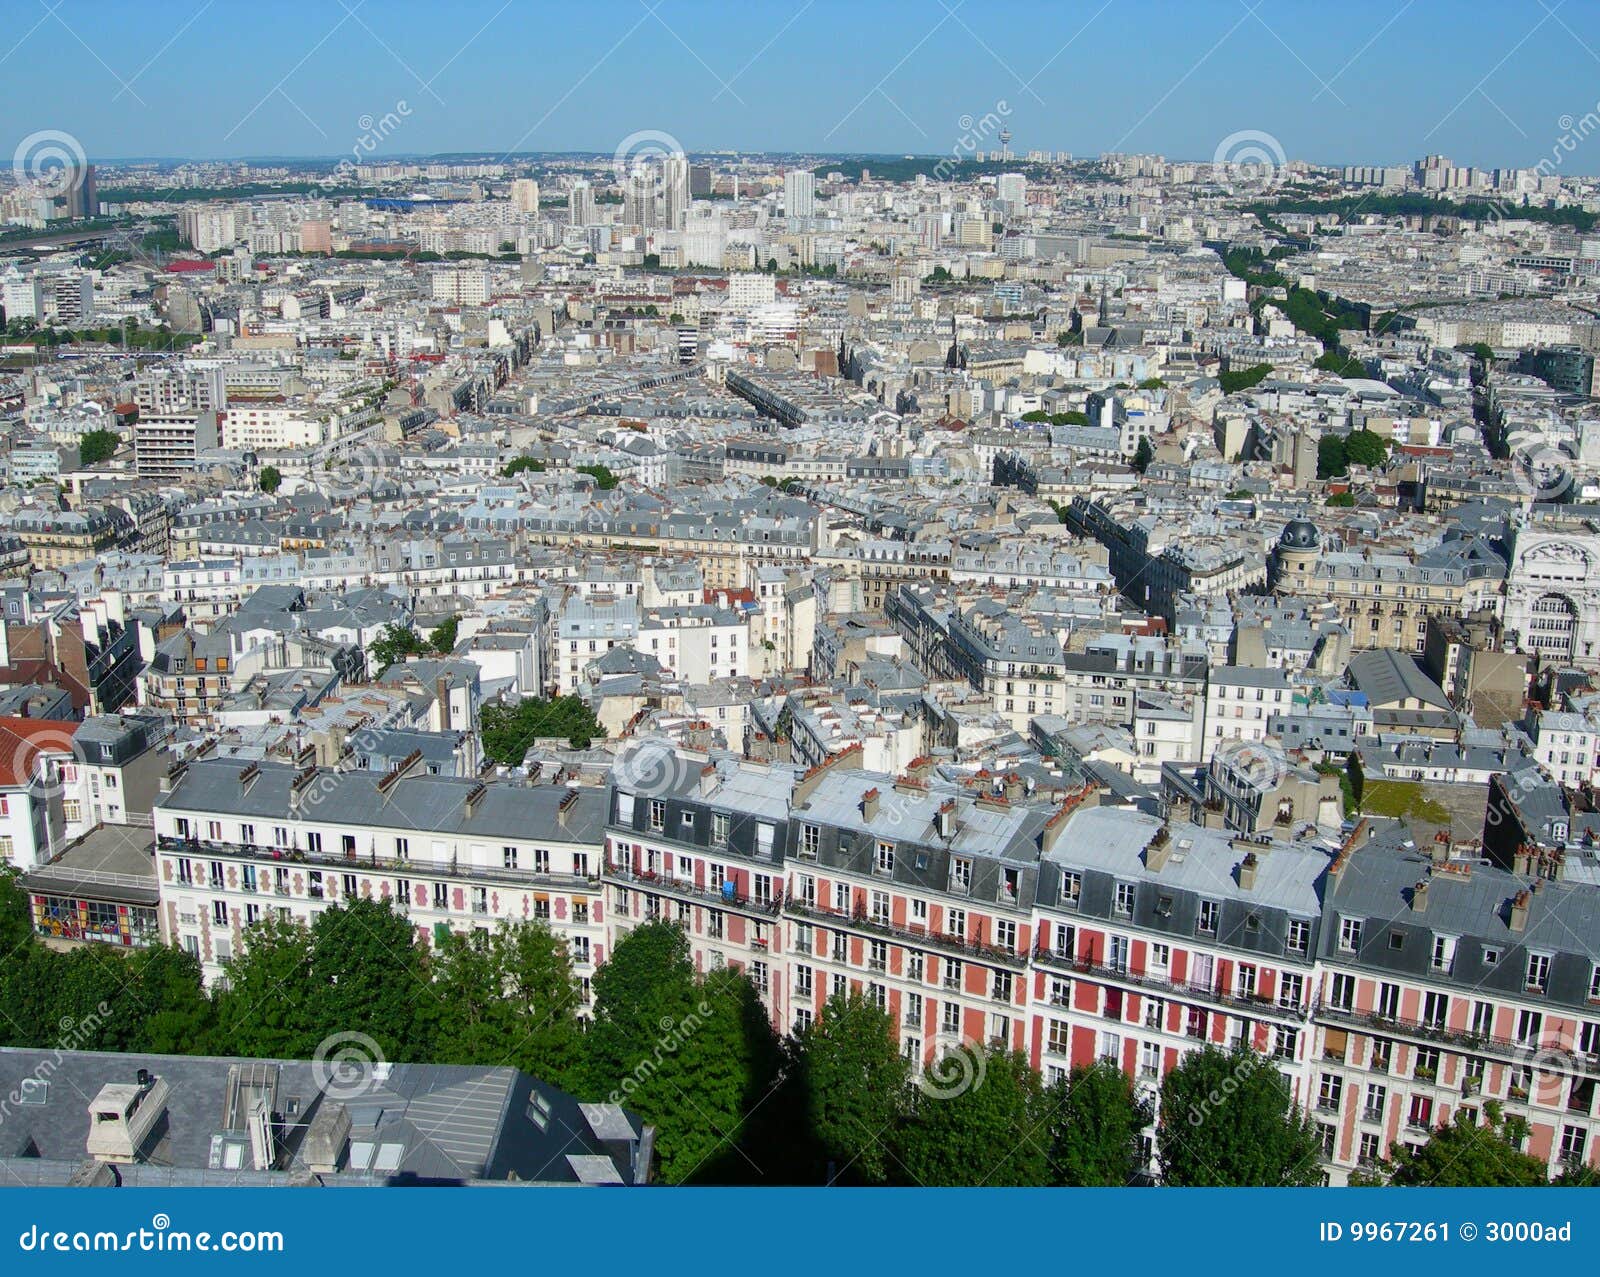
<point x="525" y="195"/>
<point x="799" y="193"/>
<point x="674" y="191"/>
<point x="580" y="204"/>
<point x="82" y="199"/>
<point x="639" y="189"/>
<point x="1012" y="189"/>
<point x="700" y="181"/>
<point x="180" y="413"/>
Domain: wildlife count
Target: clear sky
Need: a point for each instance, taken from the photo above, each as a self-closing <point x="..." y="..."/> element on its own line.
<point x="1488" y="84"/>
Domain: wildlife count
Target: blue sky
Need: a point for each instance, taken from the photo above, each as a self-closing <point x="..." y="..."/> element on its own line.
<point x="1487" y="84"/>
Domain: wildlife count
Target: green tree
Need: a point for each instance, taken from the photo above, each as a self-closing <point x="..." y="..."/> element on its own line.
<point x="1152" y="383"/>
<point x="1331" y="461"/>
<point x="368" y="976"/>
<point x="1243" y="379"/>
<point x="508" y="997"/>
<point x="1365" y="448"/>
<point x="517" y="465"/>
<point x="442" y="638"/>
<point x="603" y="478"/>
<point x="1463" y="1154"/>
<point x="692" y="1057"/>
<point x="508" y="730"/>
<point x="269" y="479"/>
<point x="177" y="1018"/>
<point x="1228" y="1121"/>
<point x="1143" y="455"/>
<point x="395" y="644"/>
<point x="1358" y="778"/>
<point x="976" y="1121"/>
<point x="1342" y="500"/>
<point x="265" y="1010"/>
<point x="854" y="1080"/>
<point x="1095" y="1123"/>
<point x="98" y="446"/>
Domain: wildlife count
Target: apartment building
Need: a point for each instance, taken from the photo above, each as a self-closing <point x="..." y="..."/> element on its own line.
<point x="1392" y="986"/>
<point x="234" y="843"/>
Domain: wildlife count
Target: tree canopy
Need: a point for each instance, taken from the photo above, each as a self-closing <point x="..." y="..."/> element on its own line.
<point x="1227" y="1120"/>
<point x="509" y="730"/>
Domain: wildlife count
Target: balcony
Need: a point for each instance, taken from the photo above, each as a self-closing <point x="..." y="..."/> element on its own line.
<point x="1253" y="1004"/>
<point x="251" y="853"/>
<point x="1422" y="1031"/>
<point x="922" y="938"/>
<point x="682" y="888"/>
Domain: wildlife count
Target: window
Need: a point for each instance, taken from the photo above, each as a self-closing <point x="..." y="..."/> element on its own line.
<point x="219" y="913"/>
<point x="1299" y="937"/>
<point x="912" y="1013"/>
<point x="1001" y="987"/>
<point x="810" y="841"/>
<point x="1329" y="1092"/>
<point x="956" y="923"/>
<point x="804" y="978"/>
<point x="1388" y="1006"/>
<point x="1160" y="958"/>
<point x="1372" y="1109"/>
<point x="658" y="814"/>
<point x="1573" y="1140"/>
<point x="1530" y="1024"/>
<point x="1371" y="1148"/>
<point x="1342" y="992"/>
<point x="952" y="973"/>
<point x="1444" y="952"/>
<point x="951" y="1023"/>
<point x="1059" y="1038"/>
<point x="1435" y="1010"/>
<point x="960" y="874"/>
<point x="914" y="965"/>
<point x="719" y="829"/>
<point x="1005" y="935"/>
<point x="1244" y="981"/>
<point x="508" y="857"/>
<point x="1060" y="993"/>
<point x="1071" y="887"/>
<point x="1111" y="1047"/>
<point x="1125" y="899"/>
<point x="1210" y="915"/>
<point x="1291" y="988"/>
<point x="1350" y="934"/>
<point x="1421" y="1113"/>
<point x="878" y="955"/>
<point x="1538" y="972"/>
<point x="1285" y="1042"/>
<point x="885" y="858"/>
<point x="1155" y="1011"/>
<point x="880" y="907"/>
<point x="1150" y="1060"/>
<point x="759" y="976"/>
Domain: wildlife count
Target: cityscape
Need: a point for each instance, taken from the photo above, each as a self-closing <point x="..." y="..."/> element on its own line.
<point x="902" y="656"/>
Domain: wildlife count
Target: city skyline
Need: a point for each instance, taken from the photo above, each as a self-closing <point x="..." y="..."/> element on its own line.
<point x="1493" y="88"/>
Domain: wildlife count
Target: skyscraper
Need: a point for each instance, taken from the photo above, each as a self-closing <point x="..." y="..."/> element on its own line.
<point x="580" y="204"/>
<point x="674" y="191"/>
<point x="525" y="195"/>
<point x="799" y="193"/>
<point x="82" y="201"/>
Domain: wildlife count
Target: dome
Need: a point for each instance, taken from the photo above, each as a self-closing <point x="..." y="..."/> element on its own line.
<point x="1300" y="534"/>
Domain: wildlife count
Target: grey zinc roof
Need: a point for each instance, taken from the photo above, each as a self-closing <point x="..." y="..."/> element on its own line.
<point x="1114" y="840"/>
<point x="432" y="804"/>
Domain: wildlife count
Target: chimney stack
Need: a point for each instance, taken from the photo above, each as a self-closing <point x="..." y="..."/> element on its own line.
<point x="1419" y="897"/>
<point x="1247" y="871"/>
<point x="1519" y="910"/>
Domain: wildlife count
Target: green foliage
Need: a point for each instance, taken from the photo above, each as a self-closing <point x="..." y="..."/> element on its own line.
<point x="508" y="996"/>
<point x="603" y="478"/>
<point x="270" y="479"/>
<point x="1094" y="1128"/>
<point x="939" y="276"/>
<point x="1463" y="1154"/>
<point x="1342" y="500"/>
<point x="976" y="1123"/>
<point x="1340" y="365"/>
<point x="1331" y="462"/>
<point x="1143" y="455"/>
<point x="1413" y="205"/>
<point x="1152" y="383"/>
<point x="517" y="465"/>
<point x="98" y="446"/>
<point x="508" y="730"/>
<point x="367" y="976"/>
<point x="855" y="1086"/>
<point x="395" y="644"/>
<point x="1072" y="338"/>
<point x="1358" y="779"/>
<point x="1365" y="448"/>
<point x="266" y="1009"/>
<point x="442" y="638"/>
<point x="690" y="1056"/>
<point x="1227" y="1120"/>
<point x="1071" y="418"/>
<point x="1244" y="379"/>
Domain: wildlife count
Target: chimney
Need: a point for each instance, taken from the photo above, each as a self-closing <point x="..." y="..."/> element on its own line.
<point x="122" y="1116"/>
<point x="441" y="690"/>
<point x="1013" y="789"/>
<point x="1519" y="910"/>
<point x="708" y="780"/>
<point x="569" y="803"/>
<point x="869" y="805"/>
<point x="327" y="1138"/>
<point x="944" y="820"/>
<point x="1247" y="871"/>
<point x="1419" y="897"/>
<point x="474" y="798"/>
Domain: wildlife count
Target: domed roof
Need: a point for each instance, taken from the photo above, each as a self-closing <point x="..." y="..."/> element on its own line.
<point x="1300" y="534"/>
